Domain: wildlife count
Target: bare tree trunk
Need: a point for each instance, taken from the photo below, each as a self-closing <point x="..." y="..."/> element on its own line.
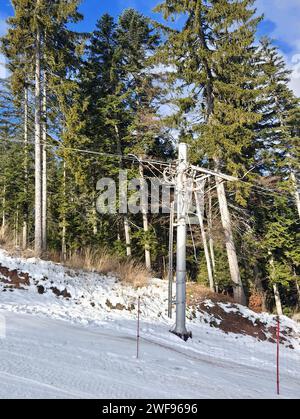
<point x="259" y="287"/>
<point x="38" y="159"/>
<point x="210" y="226"/>
<point x="126" y="222"/>
<point x="64" y="221"/>
<point x="205" y="246"/>
<point x="25" y="222"/>
<point x="127" y="236"/>
<point x="3" y="208"/>
<point x="275" y="287"/>
<point x="24" y="235"/>
<point x="277" y="300"/>
<point x="239" y="294"/>
<point x="44" y="171"/>
<point x="296" y="191"/>
<point x="297" y="288"/>
<point x="119" y="148"/>
<point x="298" y="292"/>
<point x="95" y="227"/>
<point x="94" y="216"/>
<point x="210" y="237"/>
<point x="63" y="242"/>
<point x="145" y="217"/>
<point x="17" y="228"/>
<point x="15" y="231"/>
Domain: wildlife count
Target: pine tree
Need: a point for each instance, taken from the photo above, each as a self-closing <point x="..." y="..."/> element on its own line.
<point x="293" y="147"/>
<point x="114" y="109"/>
<point x="276" y="149"/>
<point x="43" y="26"/>
<point x="275" y="216"/>
<point x="21" y="70"/>
<point x="214" y="55"/>
<point x="138" y="40"/>
<point x="12" y="182"/>
<point x="279" y="243"/>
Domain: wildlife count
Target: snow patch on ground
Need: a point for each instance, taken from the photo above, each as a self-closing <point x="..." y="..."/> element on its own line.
<point x="84" y="347"/>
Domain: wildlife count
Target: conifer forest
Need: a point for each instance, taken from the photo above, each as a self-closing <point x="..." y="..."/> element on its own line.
<point x="79" y="107"/>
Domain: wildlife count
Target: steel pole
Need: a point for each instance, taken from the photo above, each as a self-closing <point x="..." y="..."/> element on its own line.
<point x="171" y="235"/>
<point x="180" y="328"/>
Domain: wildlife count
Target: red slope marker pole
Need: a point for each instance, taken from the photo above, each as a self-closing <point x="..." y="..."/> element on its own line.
<point x="278" y="354"/>
<point x="138" y="329"/>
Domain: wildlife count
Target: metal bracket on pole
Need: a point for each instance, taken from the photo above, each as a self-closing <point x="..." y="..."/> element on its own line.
<point x="171" y="261"/>
<point x="215" y="174"/>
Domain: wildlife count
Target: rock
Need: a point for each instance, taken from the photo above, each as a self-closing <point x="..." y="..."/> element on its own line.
<point x="41" y="289"/>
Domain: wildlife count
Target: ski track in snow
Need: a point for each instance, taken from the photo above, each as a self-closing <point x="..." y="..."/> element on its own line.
<point x="68" y="349"/>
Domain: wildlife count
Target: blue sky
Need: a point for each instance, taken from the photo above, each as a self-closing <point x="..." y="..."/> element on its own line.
<point x="281" y="23"/>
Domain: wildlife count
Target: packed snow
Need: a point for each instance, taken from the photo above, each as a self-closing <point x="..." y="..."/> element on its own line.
<point x="84" y="346"/>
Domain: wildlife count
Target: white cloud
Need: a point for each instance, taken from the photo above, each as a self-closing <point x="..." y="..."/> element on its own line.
<point x="295" y="78"/>
<point x="3" y="26"/>
<point x="3" y="70"/>
<point x="3" y="29"/>
<point x="286" y="15"/>
<point x="293" y="64"/>
<point x="295" y="86"/>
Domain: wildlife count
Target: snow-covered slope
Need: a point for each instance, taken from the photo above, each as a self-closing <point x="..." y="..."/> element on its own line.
<point x="81" y="344"/>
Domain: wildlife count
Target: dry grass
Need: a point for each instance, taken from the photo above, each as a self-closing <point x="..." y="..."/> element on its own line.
<point x="6" y="239"/>
<point x="134" y="273"/>
<point x="8" y="243"/>
<point x="92" y="260"/>
<point x="52" y="255"/>
<point x="128" y="271"/>
<point x="27" y="253"/>
<point x="2" y="236"/>
<point x="196" y="293"/>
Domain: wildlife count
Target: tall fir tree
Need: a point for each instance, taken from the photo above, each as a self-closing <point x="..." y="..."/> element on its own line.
<point x="214" y="56"/>
<point x="43" y="26"/>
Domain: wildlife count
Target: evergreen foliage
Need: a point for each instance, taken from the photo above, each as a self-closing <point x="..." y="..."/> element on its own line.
<point x="107" y="95"/>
